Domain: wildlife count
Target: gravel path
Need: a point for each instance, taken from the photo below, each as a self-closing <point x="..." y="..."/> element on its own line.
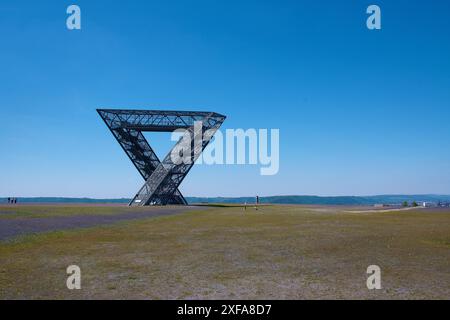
<point x="10" y="228"/>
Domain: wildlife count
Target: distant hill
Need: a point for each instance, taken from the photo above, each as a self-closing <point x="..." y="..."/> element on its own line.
<point x="340" y="200"/>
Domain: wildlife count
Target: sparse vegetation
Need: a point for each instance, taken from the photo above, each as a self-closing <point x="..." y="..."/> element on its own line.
<point x="42" y="211"/>
<point x="276" y="252"/>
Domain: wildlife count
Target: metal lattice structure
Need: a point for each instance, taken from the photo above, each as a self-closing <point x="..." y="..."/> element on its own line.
<point x="162" y="179"/>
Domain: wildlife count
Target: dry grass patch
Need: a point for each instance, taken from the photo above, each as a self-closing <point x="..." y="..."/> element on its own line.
<point x="276" y="252"/>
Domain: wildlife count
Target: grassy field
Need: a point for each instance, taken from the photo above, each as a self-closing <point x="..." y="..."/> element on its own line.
<point x="40" y="211"/>
<point x="279" y="252"/>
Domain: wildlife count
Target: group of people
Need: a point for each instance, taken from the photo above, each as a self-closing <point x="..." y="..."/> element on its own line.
<point x="12" y="200"/>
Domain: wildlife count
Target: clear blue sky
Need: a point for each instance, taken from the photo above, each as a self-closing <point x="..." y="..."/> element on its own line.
<point x="360" y="112"/>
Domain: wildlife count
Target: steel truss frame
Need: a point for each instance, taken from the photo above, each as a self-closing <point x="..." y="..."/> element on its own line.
<point x="162" y="178"/>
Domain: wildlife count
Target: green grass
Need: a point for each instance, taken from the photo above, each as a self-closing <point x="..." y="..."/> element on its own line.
<point x="230" y="205"/>
<point x="276" y="252"/>
<point x="39" y="211"/>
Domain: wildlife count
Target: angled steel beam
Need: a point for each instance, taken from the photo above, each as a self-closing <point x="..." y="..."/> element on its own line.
<point x="162" y="178"/>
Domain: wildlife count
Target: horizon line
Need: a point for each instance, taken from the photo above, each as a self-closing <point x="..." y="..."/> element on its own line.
<point x="264" y="196"/>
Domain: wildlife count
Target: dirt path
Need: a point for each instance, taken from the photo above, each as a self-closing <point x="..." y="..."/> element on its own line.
<point x="10" y="228"/>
